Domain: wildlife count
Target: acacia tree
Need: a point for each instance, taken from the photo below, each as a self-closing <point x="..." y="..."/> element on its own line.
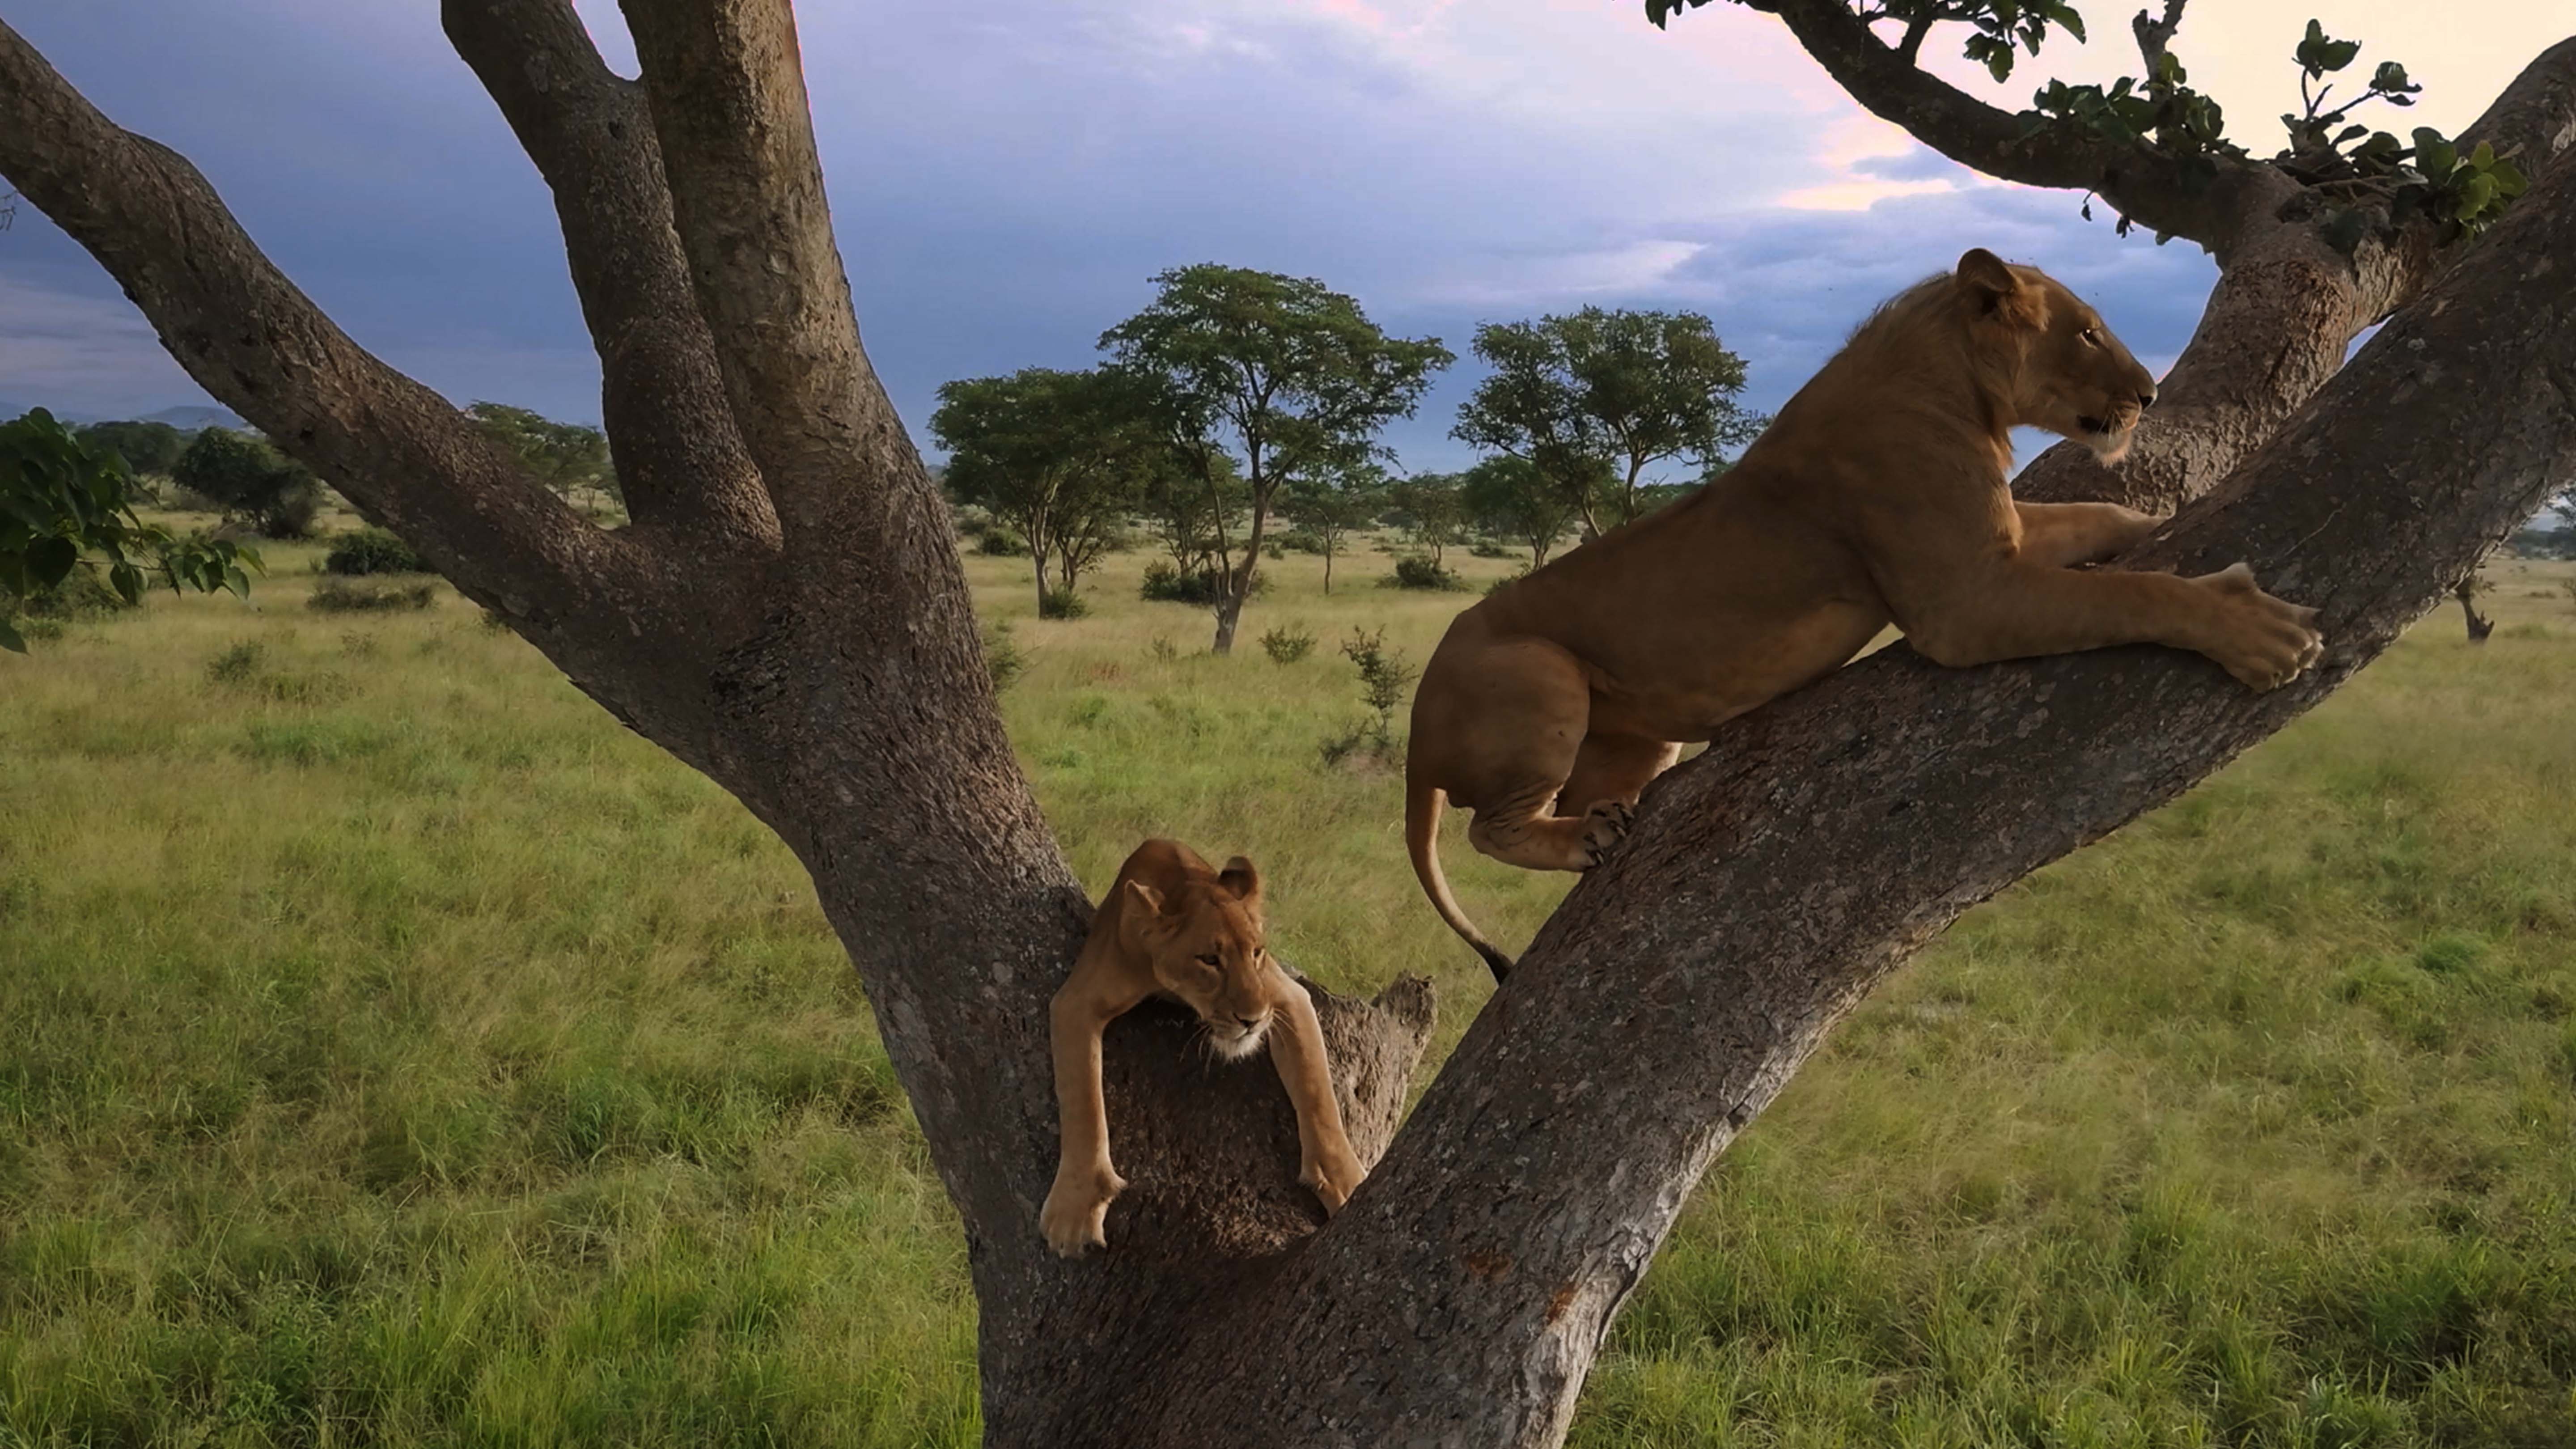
<point x="786" y="613"/>
<point x="1602" y="391"/>
<point x="1060" y="456"/>
<point x="1332" y="502"/>
<point x="1511" y="497"/>
<point x="1281" y="372"/>
<point x="566" y="457"/>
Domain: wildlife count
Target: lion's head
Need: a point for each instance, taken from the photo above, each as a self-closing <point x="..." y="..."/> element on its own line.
<point x="1205" y="941"/>
<point x="2056" y="362"/>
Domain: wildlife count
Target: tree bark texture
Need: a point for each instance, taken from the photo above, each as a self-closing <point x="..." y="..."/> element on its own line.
<point x="787" y="613"/>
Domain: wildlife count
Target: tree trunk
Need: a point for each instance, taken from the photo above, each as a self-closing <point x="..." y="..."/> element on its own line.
<point x="2479" y="625"/>
<point x="788" y="613"/>
<point x="1037" y="560"/>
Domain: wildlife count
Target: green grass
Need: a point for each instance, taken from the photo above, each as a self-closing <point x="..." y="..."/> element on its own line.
<point x="394" y="1050"/>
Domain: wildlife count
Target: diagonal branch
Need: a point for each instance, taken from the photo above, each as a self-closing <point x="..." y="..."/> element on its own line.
<point x="728" y="101"/>
<point x="2154" y="189"/>
<point x="680" y="461"/>
<point x="251" y="338"/>
<point x="1822" y="840"/>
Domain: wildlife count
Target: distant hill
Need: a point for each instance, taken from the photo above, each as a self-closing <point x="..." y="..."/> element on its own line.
<point x="189" y="419"/>
<point x="186" y="419"/>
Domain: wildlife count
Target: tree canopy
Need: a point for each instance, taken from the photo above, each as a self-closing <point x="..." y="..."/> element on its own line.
<point x="1064" y="457"/>
<point x="252" y="480"/>
<point x="1593" y="398"/>
<point x="1280" y="372"/>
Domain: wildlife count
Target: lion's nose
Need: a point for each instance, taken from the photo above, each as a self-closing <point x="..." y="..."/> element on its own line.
<point x="1248" y="1022"/>
<point x="2146" y="399"/>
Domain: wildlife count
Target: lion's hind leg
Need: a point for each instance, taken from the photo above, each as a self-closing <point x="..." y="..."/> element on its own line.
<point x="1610" y="772"/>
<point x="1516" y="721"/>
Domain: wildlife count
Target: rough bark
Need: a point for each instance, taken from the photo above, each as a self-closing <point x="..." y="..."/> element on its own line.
<point x="822" y="666"/>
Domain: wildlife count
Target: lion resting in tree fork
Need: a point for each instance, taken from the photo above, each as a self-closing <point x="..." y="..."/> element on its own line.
<point x="1171" y="926"/>
<point x="1878" y="496"/>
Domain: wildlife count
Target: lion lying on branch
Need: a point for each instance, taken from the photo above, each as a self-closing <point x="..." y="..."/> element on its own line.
<point x="1879" y="496"/>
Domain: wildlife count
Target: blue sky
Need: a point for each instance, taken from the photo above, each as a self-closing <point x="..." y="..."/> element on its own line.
<point x="1006" y="178"/>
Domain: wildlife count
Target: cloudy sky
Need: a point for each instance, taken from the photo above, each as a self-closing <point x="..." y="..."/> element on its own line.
<point x="1007" y="177"/>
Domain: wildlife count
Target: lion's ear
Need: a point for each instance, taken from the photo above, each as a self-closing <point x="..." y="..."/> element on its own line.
<point x="1145" y="897"/>
<point x="1241" y="881"/>
<point x="1995" y="289"/>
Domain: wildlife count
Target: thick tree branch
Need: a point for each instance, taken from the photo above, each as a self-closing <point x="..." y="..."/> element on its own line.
<point x="727" y="91"/>
<point x="680" y="461"/>
<point x="2154" y="189"/>
<point x="252" y="339"/>
<point x="1822" y="840"/>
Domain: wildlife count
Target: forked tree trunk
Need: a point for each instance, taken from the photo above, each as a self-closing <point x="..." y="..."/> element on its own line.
<point x="788" y="614"/>
<point x="2480" y="626"/>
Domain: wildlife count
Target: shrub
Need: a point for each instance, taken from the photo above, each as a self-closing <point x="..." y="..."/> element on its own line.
<point x="1301" y="540"/>
<point x="1288" y="644"/>
<point x="1163" y="650"/>
<point x="1384" y="677"/>
<point x="1421" y="573"/>
<point x="1487" y="548"/>
<point x="237" y="665"/>
<point x="1000" y="542"/>
<point x="1507" y="580"/>
<point x="373" y="551"/>
<point x="339" y="596"/>
<point x="1165" y="584"/>
<point x="1061" y="604"/>
<point x="1004" y="660"/>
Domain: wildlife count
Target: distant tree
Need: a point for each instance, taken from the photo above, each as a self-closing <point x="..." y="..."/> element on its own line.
<point x="146" y="447"/>
<point x="1334" y="502"/>
<point x="253" y="481"/>
<point x="1060" y="456"/>
<point x="65" y="503"/>
<point x="1509" y="496"/>
<point x="566" y="457"/>
<point x="1433" y="510"/>
<point x="1279" y="372"/>
<point x="1629" y="388"/>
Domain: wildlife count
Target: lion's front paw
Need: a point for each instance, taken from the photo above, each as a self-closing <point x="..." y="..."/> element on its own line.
<point x="2265" y="642"/>
<point x="1076" y="1214"/>
<point x="1604" y="825"/>
<point x="1334" y="1173"/>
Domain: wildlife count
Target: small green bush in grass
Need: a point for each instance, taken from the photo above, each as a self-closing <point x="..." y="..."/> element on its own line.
<point x="1288" y="643"/>
<point x="373" y="551"/>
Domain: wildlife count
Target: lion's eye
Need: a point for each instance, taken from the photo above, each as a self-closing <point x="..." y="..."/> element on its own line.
<point x="1209" y="959"/>
<point x="2091" y="337"/>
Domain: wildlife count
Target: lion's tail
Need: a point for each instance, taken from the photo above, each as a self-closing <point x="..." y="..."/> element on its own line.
<point x="1423" y="802"/>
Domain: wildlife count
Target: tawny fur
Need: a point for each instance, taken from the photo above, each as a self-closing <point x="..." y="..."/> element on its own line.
<point x="1172" y="927"/>
<point x="1878" y="496"/>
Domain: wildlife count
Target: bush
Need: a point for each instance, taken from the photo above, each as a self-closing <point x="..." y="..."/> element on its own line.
<point x="1507" y="580"/>
<point x="339" y="596"/>
<point x="373" y="551"/>
<point x="1061" y="604"/>
<point x="1301" y="540"/>
<point x="1000" y="542"/>
<point x="1003" y="658"/>
<point x="237" y="665"/>
<point x="290" y="514"/>
<point x="1288" y="644"/>
<point x="1487" y="548"/>
<point x="1384" y="677"/>
<point x="1422" y="573"/>
<point x="1165" y="584"/>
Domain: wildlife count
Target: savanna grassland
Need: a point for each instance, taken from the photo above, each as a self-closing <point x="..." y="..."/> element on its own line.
<point x="395" y="1051"/>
